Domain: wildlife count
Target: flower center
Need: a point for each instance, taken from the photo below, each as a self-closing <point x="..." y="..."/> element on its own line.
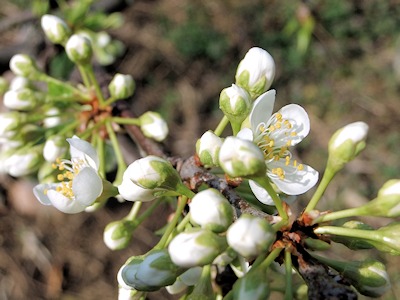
<point x="69" y="169"/>
<point x="274" y="139"/>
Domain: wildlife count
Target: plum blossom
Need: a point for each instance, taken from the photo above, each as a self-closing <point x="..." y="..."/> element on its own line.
<point x="80" y="184"/>
<point x="274" y="134"/>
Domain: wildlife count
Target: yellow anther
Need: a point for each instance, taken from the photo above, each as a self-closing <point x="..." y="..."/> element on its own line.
<point x="289" y="143"/>
<point x="271" y="143"/>
<point x="54" y="166"/>
<point x="278" y="125"/>
<point x="279" y="116"/>
<point x="276" y="157"/>
<point x="262" y="128"/>
<point x="60" y="177"/>
<point x="287" y="160"/>
<point x="295" y="163"/>
<point x="288" y="124"/>
<point x="293" y="133"/>
<point x="300" y="167"/>
<point x="271" y="128"/>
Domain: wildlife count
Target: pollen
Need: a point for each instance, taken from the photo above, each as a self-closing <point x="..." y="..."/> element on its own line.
<point x="300" y="167"/>
<point x="279" y="172"/>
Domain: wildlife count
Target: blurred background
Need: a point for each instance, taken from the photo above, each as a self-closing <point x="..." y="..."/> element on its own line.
<point x="339" y="59"/>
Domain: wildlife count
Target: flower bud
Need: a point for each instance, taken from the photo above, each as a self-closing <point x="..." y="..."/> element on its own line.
<point x="211" y="210"/>
<point x="52" y="118"/>
<point x="391" y="187"/>
<point x="188" y="278"/>
<point x="130" y="294"/>
<point x="79" y="49"/>
<point x="240" y="158"/>
<point x="118" y="234"/>
<point x="9" y="122"/>
<point x="346" y="144"/>
<point x="153" y="172"/>
<point x="132" y="192"/>
<point x="22" y="99"/>
<point x="56" y="30"/>
<point x="253" y="285"/>
<point x="121" y="86"/>
<point x="256" y="71"/>
<point x="196" y="248"/>
<point x="54" y="147"/>
<point x="153" y="126"/>
<point x="19" y="82"/>
<point x="24" y="162"/>
<point x="150" y="272"/>
<point x="388" y="239"/>
<point x="369" y="277"/>
<point x="207" y="149"/>
<point x="235" y="103"/>
<point x="23" y="65"/>
<point x="250" y="235"/>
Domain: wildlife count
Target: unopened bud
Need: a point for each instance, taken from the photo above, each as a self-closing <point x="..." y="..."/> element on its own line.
<point x="210" y="209"/>
<point x="23" y="65"/>
<point x="153" y="126"/>
<point x="207" y="149"/>
<point x="118" y="234"/>
<point x="22" y="99"/>
<point x="25" y="161"/>
<point x="121" y="86"/>
<point x="346" y="144"/>
<point x="240" y="158"/>
<point x="19" y="82"/>
<point x="196" y="248"/>
<point x="235" y="103"/>
<point x="54" y="147"/>
<point x="256" y="71"/>
<point x="79" y="49"/>
<point x="249" y="235"/>
<point x="9" y="122"/>
<point x="56" y="30"/>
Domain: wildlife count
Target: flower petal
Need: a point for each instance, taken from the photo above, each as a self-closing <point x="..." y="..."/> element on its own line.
<point x="64" y="204"/>
<point x="87" y="186"/>
<point x="262" y="109"/>
<point x="245" y="134"/>
<point x="298" y="117"/>
<point x="296" y="181"/>
<point x="82" y="149"/>
<point x="260" y="193"/>
<point x="132" y="192"/>
<point x="39" y="192"/>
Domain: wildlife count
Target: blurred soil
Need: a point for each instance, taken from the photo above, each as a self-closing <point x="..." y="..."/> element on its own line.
<point x="182" y="54"/>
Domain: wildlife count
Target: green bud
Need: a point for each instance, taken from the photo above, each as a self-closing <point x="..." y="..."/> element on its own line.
<point x="241" y="158"/>
<point x="235" y="103"/>
<point x="79" y="49"/>
<point x="153" y="126"/>
<point x="369" y="277"/>
<point x="346" y="144"/>
<point x="207" y="149"/>
<point x="118" y="234"/>
<point x="253" y="285"/>
<point x="388" y="239"/>
<point x="23" y="65"/>
<point x="121" y="86"/>
<point x="153" y="172"/>
<point x="56" y="30"/>
<point x="210" y="209"/>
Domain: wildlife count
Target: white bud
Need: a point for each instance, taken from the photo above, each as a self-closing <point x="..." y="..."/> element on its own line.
<point x="79" y="49"/>
<point x="210" y="209"/>
<point x="239" y="158"/>
<point x="196" y="248"/>
<point x="24" y="161"/>
<point x="23" y="65"/>
<point x="54" y="147"/>
<point x="153" y="126"/>
<point x="391" y="187"/>
<point x="22" y="99"/>
<point x="256" y="71"/>
<point x="250" y="235"/>
<point x="19" y="82"/>
<point x="56" y="30"/>
<point x="235" y="103"/>
<point x="132" y="192"/>
<point x="118" y="234"/>
<point x="121" y="86"/>
<point x="347" y="143"/>
<point x="207" y="149"/>
<point x="52" y="118"/>
<point x="9" y="122"/>
<point x="152" y="172"/>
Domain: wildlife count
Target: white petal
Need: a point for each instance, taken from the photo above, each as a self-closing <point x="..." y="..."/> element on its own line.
<point x="260" y="193"/>
<point x="298" y="117"/>
<point x="64" y="204"/>
<point x="132" y="192"/>
<point x="245" y="134"/>
<point x="262" y="109"/>
<point x="87" y="186"/>
<point x="39" y="192"/>
<point x="296" y="181"/>
<point x="82" y="149"/>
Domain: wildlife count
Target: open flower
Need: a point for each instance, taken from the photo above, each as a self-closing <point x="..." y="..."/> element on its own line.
<point x="80" y="184"/>
<point x="274" y="134"/>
